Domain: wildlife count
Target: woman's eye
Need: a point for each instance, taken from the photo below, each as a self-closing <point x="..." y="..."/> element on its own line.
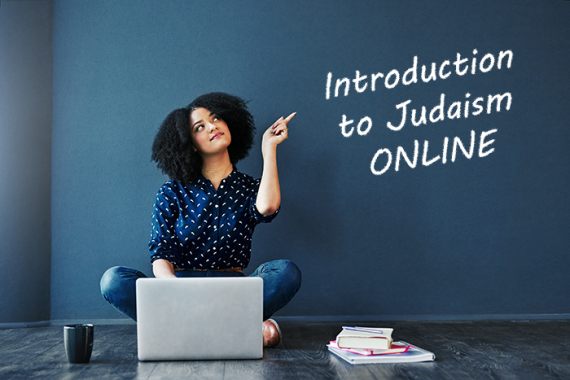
<point x="199" y="128"/>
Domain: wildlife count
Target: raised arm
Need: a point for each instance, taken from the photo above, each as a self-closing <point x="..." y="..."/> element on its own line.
<point x="269" y="195"/>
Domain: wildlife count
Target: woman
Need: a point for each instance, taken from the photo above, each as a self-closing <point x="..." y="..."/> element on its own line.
<point x="204" y="217"/>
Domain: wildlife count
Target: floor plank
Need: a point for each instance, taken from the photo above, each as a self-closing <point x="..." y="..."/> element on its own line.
<point x="464" y="350"/>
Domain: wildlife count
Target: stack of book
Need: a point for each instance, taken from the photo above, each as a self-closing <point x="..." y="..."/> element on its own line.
<point x="361" y="345"/>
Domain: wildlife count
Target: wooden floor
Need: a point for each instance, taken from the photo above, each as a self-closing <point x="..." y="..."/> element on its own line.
<point x="464" y="350"/>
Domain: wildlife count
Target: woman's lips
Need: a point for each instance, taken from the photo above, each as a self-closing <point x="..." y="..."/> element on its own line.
<point x="219" y="134"/>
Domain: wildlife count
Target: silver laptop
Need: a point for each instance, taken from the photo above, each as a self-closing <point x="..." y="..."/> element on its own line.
<point x="200" y="318"/>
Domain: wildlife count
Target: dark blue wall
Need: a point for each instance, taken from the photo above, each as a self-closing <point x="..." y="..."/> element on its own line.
<point x="486" y="236"/>
<point x="25" y="161"/>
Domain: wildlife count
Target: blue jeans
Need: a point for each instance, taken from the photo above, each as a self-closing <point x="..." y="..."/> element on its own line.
<point x="281" y="281"/>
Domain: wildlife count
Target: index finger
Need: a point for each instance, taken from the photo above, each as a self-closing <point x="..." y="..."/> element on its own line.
<point x="288" y="118"/>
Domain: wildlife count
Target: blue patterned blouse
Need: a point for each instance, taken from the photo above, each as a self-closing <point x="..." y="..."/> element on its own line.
<point x="196" y="227"/>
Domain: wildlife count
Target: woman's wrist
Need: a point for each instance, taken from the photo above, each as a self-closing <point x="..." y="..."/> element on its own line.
<point x="269" y="152"/>
<point x="163" y="269"/>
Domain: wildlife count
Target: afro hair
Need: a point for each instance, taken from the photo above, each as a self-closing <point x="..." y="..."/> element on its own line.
<point x="172" y="147"/>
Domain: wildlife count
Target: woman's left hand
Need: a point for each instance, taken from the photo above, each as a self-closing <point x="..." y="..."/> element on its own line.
<point x="277" y="133"/>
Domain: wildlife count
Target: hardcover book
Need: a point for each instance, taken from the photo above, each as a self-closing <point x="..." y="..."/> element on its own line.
<point x="365" y="337"/>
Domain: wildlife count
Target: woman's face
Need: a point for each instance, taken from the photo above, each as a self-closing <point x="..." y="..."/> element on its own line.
<point x="210" y="134"/>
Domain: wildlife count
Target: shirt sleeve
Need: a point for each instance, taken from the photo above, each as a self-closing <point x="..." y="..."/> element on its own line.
<point x="164" y="241"/>
<point x="256" y="216"/>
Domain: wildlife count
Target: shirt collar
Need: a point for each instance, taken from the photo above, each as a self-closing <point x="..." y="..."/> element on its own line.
<point x="232" y="176"/>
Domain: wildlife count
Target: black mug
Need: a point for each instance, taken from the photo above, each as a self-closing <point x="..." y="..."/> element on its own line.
<point x="78" y="340"/>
